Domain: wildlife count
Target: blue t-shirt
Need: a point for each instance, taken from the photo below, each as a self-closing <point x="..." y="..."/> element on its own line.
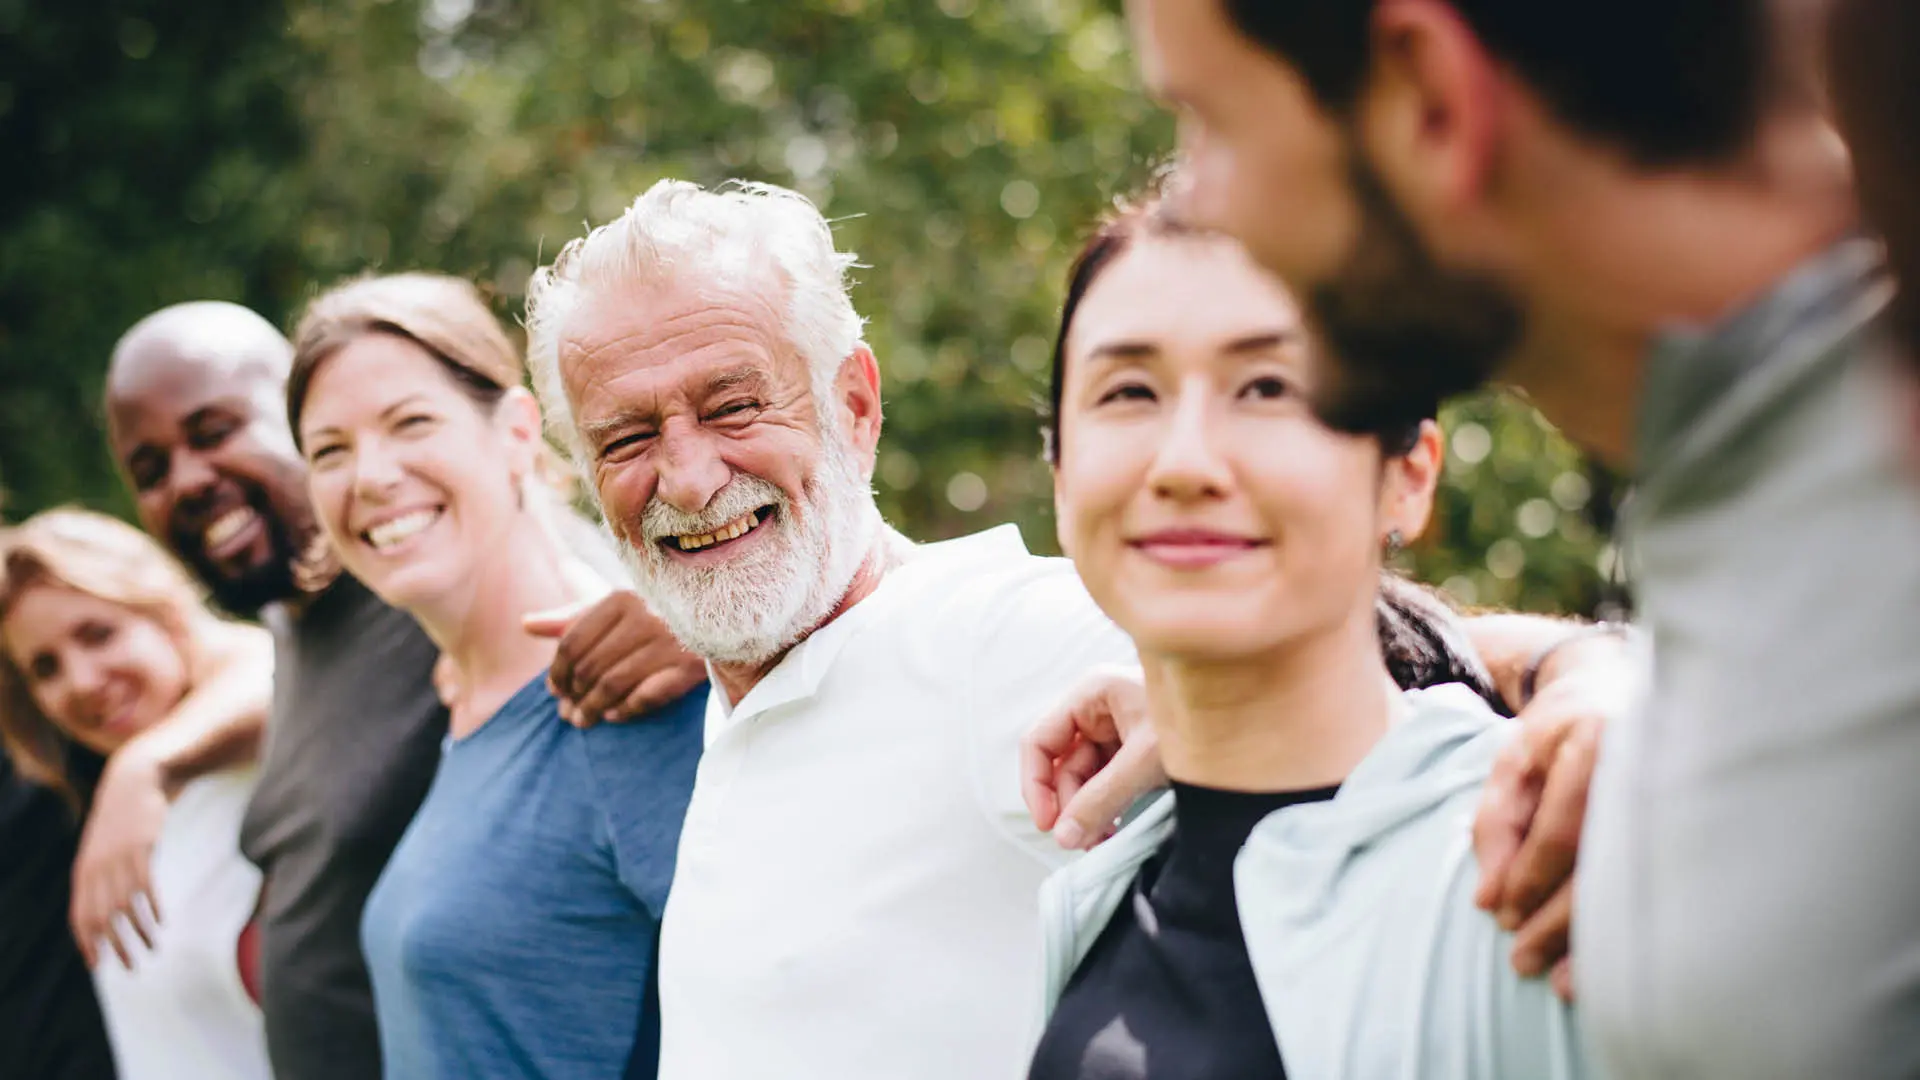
<point x="513" y="932"/>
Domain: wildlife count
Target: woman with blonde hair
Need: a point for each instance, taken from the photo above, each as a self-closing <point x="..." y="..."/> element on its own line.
<point x="104" y="636"/>
<point x="512" y="932"/>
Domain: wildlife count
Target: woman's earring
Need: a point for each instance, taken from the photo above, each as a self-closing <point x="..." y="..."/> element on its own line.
<point x="1395" y="542"/>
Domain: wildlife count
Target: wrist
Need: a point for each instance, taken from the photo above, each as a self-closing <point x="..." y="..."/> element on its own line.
<point x="1550" y="661"/>
<point x="146" y="759"/>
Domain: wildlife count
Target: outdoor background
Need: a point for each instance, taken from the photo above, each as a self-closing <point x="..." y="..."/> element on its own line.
<point x="254" y="151"/>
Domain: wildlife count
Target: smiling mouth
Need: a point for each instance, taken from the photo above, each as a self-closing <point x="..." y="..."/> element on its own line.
<point x="390" y="534"/>
<point x="732" y="530"/>
<point x="226" y="527"/>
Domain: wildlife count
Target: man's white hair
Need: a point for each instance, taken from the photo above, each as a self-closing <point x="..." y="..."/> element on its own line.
<point x="677" y="231"/>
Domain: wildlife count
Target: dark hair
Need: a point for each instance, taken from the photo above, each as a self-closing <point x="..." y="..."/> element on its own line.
<point x="1424" y="641"/>
<point x="1148" y="215"/>
<point x="1669" y="81"/>
<point x="1422" y="638"/>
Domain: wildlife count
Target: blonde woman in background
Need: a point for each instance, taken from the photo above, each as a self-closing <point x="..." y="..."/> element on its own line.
<point x="103" y="637"/>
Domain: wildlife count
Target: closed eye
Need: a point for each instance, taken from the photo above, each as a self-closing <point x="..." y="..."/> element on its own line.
<point x="623" y="443"/>
<point x="1266" y="388"/>
<point x="211" y="431"/>
<point x="1132" y="391"/>
<point x="733" y="409"/>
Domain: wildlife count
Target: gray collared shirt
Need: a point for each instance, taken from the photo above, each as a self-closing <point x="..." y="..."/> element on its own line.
<point x="1749" y="896"/>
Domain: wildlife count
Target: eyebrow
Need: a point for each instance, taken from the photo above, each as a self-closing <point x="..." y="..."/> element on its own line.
<point x="596" y="430"/>
<point x="738" y="379"/>
<point x="1265" y="341"/>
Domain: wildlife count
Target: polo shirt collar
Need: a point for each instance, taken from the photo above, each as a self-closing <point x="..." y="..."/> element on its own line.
<point x="798" y="674"/>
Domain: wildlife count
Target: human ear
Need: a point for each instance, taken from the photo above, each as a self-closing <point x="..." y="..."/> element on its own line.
<point x="1429" y="112"/>
<point x="857" y="388"/>
<point x="517" y="418"/>
<point x="1408" y="483"/>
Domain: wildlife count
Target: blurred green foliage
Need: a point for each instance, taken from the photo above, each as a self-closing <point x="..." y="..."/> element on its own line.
<point x="255" y="151"/>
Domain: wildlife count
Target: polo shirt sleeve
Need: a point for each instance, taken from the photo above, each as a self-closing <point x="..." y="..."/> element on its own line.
<point x="1039" y="636"/>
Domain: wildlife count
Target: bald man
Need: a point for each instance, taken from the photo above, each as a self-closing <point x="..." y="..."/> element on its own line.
<point x="196" y="415"/>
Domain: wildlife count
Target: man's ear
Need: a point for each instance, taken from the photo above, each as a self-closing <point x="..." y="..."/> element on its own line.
<point x="1429" y="113"/>
<point x="858" y="389"/>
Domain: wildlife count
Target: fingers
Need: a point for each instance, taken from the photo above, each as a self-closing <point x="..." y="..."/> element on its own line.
<point x="1545" y="861"/>
<point x="114" y="902"/>
<point x="622" y="677"/>
<point x="666" y="685"/>
<point x="1501" y="822"/>
<point x="1070" y="775"/>
<point x="119" y="949"/>
<point x="1036" y="782"/>
<point x="1542" y="940"/>
<point x="1133" y="771"/>
<point x="554" y="622"/>
<point x="1520" y="773"/>
<point x="579" y="657"/>
<point x="1068" y="760"/>
<point x="639" y="684"/>
<point x="1562" y="979"/>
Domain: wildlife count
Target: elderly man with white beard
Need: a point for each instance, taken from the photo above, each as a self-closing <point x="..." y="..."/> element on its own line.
<point x="856" y="888"/>
<point x="857" y="880"/>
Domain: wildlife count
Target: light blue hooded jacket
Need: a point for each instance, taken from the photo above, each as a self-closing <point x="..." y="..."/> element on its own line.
<point x="1372" y="961"/>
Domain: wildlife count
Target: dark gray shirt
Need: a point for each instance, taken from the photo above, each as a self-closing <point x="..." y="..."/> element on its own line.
<point x="351" y="749"/>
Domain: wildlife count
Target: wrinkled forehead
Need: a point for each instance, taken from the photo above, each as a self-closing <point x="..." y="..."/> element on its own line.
<point x="675" y="334"/>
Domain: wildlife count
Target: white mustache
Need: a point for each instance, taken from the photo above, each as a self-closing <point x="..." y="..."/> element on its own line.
<point x="743" y="494"/>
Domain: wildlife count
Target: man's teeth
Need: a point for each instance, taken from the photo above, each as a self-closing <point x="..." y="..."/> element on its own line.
<point x="227" y="526"/>
<point x="733" y="530"/>
<point x="405" y="527"/>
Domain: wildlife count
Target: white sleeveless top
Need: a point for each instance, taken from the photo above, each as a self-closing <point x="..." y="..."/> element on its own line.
<point x="183" y="1011"/>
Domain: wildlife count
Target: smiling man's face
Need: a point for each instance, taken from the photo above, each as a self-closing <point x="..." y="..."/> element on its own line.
<point x="199" y="430"/>
<point x="740" y="499"/>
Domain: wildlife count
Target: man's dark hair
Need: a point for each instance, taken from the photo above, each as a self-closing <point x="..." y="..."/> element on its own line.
<point x="1670" y="82"/>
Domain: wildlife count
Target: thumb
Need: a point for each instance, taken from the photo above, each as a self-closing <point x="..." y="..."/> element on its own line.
<point x="1089" y="813"/>
<point x="554" y="622"/>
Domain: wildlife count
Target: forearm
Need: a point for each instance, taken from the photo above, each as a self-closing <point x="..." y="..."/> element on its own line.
<point x="1509" y="643"/>
<point x="221" y="722"/>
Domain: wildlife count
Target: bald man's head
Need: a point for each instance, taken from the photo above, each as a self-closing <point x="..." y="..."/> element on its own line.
<point x="196" y="416"/>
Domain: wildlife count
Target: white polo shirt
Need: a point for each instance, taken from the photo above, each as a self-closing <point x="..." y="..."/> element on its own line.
<point x="857" y="893"/>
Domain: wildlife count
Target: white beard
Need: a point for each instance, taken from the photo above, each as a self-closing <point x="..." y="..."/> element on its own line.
<point x="755" y="607"/>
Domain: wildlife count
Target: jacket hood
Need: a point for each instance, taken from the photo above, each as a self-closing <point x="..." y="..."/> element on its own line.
<point x="1442" y="746"/>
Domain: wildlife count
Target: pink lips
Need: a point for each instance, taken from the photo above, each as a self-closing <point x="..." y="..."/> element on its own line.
<point x="1193" y="549"/>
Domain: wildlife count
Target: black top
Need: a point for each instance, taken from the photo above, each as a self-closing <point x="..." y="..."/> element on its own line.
<point x="352" y="746"/>
<point x="50" y="1026"/>
<point x="1167" y="991"/>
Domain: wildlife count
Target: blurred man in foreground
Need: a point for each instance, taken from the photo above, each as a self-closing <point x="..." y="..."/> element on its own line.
<point x="1630" y="213"/>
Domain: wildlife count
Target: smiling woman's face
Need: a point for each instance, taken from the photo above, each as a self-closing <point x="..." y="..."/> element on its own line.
<point x="100" y="671"/>
<point x="412" y="479"/>
<point x="1209" y="513"/>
